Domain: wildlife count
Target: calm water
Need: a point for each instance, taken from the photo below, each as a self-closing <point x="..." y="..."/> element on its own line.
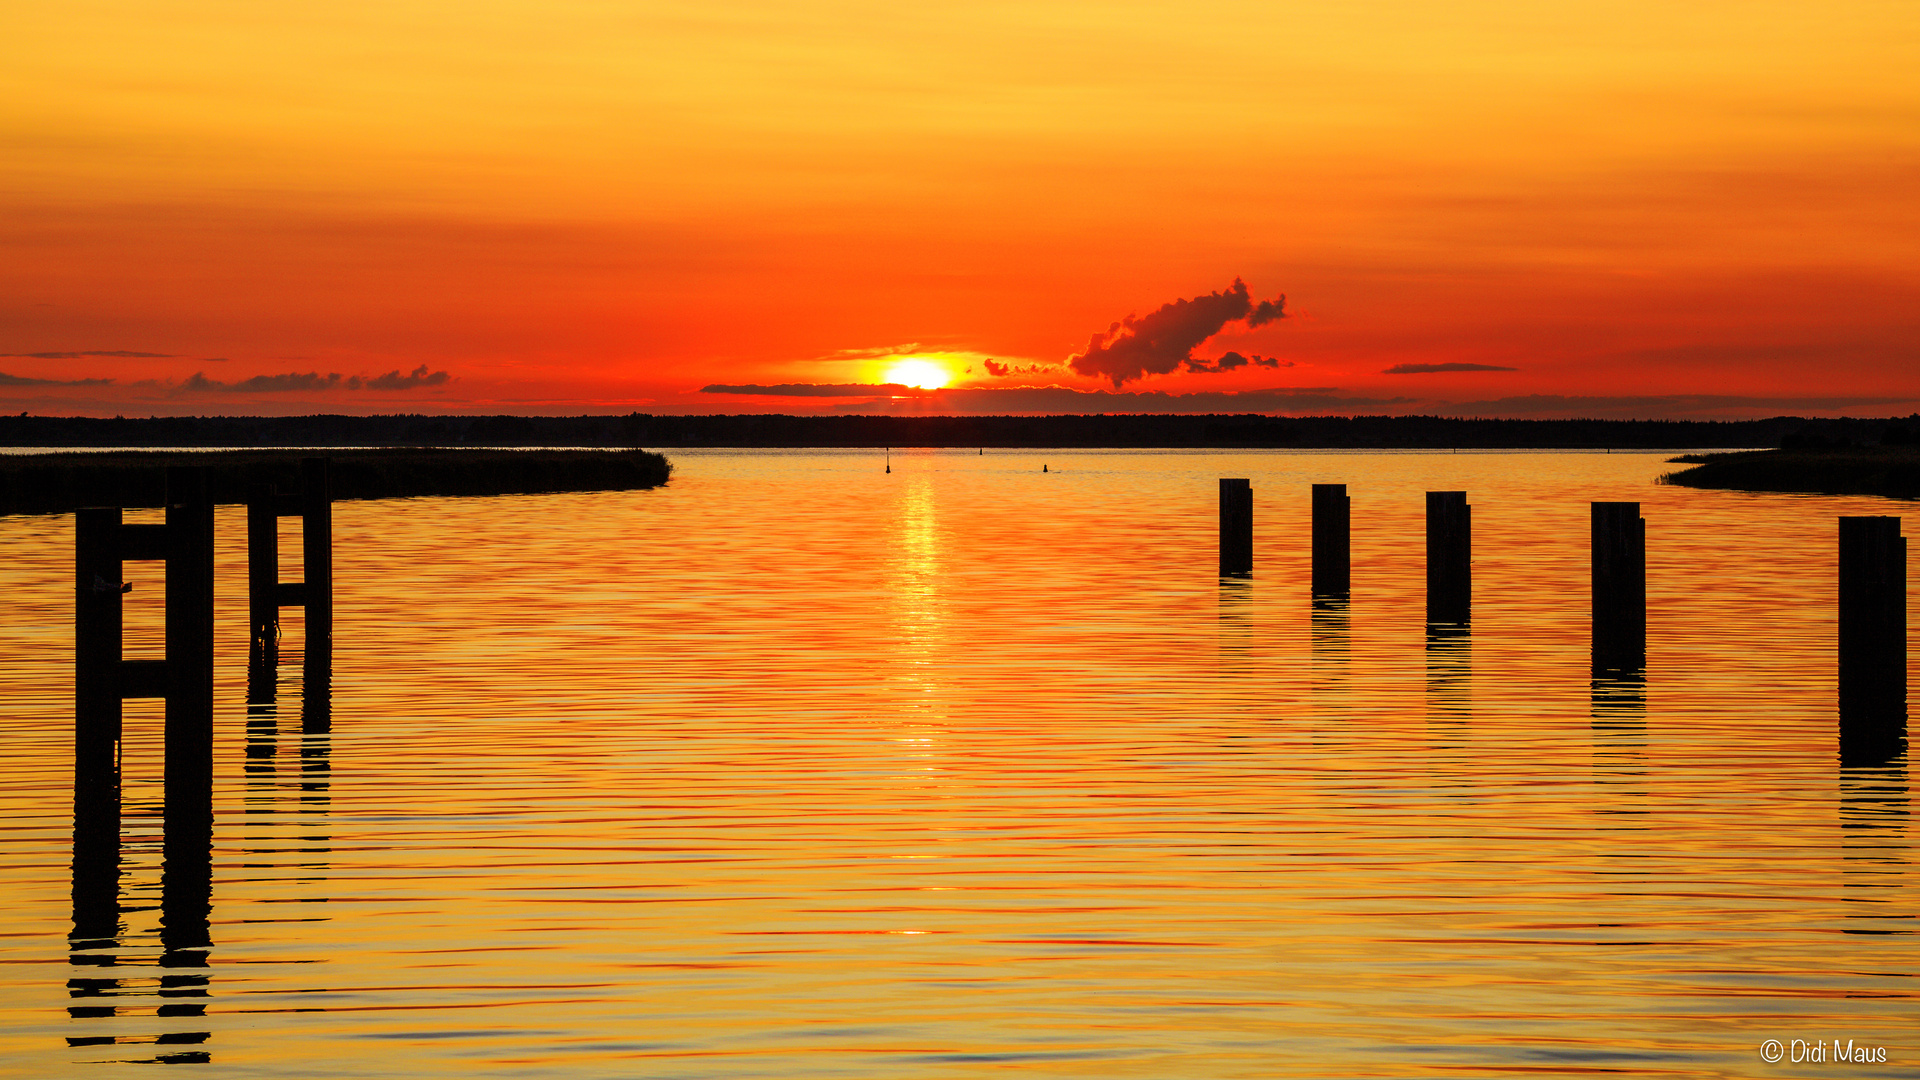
<point x="796" y="769"/>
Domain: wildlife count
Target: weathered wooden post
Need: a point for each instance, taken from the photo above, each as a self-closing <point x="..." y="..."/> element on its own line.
<point x="1619" y="587"/>
<point x="189" y="691"/>
<point x="1873" y="640"/>
<point x="1449" y="558"/>
<point x="1332" y="540"/>
<point x="316" y="542"/>
<point x="263" y="562"/>
<point x="1236" y="526"/>
<point x="96" y="728"/>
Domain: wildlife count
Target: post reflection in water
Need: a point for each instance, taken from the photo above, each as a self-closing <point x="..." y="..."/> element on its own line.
<point x="1449" y="694"/>
<point x="1330" y="637"/>
<point x="263" y="727"/>
<point x="101" y="944"/>
<point x="316" y="766"/>
<point x="1619" y="709"/>
<point x="1873" y="845"/>
<point x="1236" y="626"/>
<point x="111" y="962"/>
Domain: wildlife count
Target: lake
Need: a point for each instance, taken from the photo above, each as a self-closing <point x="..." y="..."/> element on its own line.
<point x="799" y="768"/>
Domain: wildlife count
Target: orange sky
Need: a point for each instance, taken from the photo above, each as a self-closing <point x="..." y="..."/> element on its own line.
<point x="572" y="206"/>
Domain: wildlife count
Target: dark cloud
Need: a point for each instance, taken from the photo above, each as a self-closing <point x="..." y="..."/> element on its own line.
<point x="1232" y="360"/>
<point x="292" y="381"/>
<point x="1164" y="339"/>
<point x="1428" y="369"/>
<point x="1268" y="311"/>
<point x="22" y="380"/>
<point x="84" y="353"/>
<point x="818" y="390"/>
<point x="393" y="380"/>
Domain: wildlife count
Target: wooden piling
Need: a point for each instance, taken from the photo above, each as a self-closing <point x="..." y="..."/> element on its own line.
<point x="98" y="620"/>
<point x="316" y="536"/>
<point x="1332" y="540"/>
<point x="1449" y="559"/>
<point x="1873" y="640"/>
<point x="263" y="562"/>
<point x="1619" y="587"/>
<point x="1236" y="526"/>
<point x="189" y="636"/>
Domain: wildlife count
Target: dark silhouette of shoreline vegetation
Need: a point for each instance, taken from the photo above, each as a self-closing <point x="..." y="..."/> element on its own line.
<point x="61" y="482"/>
<point x="1892" y="470"/>
<point x="392" y="456"/>
<point x="1146" y="431"/>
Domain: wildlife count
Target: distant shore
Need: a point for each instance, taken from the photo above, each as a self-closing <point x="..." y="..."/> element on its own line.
<point x="56" y="483"/>
<point x="1118" y="431"/>
<point x="1892" y="471"/>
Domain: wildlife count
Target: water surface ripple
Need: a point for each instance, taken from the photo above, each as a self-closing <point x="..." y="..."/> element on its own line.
<point x="796" y="768"/>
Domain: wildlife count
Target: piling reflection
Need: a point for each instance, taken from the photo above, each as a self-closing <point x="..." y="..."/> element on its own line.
<point x="117" y="982"/>
<point x="114" y="971"/>
<point x="1330" y="639"/>
<point x="1236" y="625"/>
<point x="316" y="766"/>
<point x="1449" y="682"/>
<point x="1619" y="726"/>
<point x="263" y="729"/>
<point x="1873" y="844"/>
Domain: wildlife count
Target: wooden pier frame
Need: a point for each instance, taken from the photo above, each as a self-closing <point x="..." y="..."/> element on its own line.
<point x="1449" y="559"/>
<point x="266" y="593"/>
<point x="103" y="678"/>
<point x="1236" y="526"/>
<point x="1873" y="640"/>
<point x="1332" y="541"/>
<point x="1619" y="587"/>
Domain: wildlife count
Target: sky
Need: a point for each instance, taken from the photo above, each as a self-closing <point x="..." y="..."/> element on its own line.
<point x="1632" y="209"/>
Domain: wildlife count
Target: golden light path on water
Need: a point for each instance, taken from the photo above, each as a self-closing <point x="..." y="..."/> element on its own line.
<point x="796" y="768"/>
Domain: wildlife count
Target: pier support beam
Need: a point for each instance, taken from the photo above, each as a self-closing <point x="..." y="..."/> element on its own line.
<point x="1619" y="587"/>
<point x="97" y="622"/>
<point x="1332" y="541"/>
<point x="1449" y="559"/>
<point x="263" y="562"/>
<point x="316" y="553"/>
<point x="189" y="636"/>
<point x="1873" y="640"/>
<point x="1236" y="526"/>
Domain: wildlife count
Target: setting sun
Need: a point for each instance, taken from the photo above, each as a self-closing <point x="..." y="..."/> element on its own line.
<point x="918" y="372"/>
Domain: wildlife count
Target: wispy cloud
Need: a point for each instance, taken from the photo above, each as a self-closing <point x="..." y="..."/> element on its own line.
<point x="80" y="354"/>
<point x="818" y="390"/>
<point x="393" y="380"/>
<point x="1665" y="407"/>
<point x="1230" y="360"/>
<point x="311" y="381"/>
<point x="1429" y="369"/>
<point x="291" y="381"/>
<point x="874" y="352"/>
<point x="987" y="401"/>
<point x="1000" y="370"/>
<point x="22" y="380"/>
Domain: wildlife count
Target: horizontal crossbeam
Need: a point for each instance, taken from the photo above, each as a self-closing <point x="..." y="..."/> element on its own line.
<point x="143" y="678"/>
